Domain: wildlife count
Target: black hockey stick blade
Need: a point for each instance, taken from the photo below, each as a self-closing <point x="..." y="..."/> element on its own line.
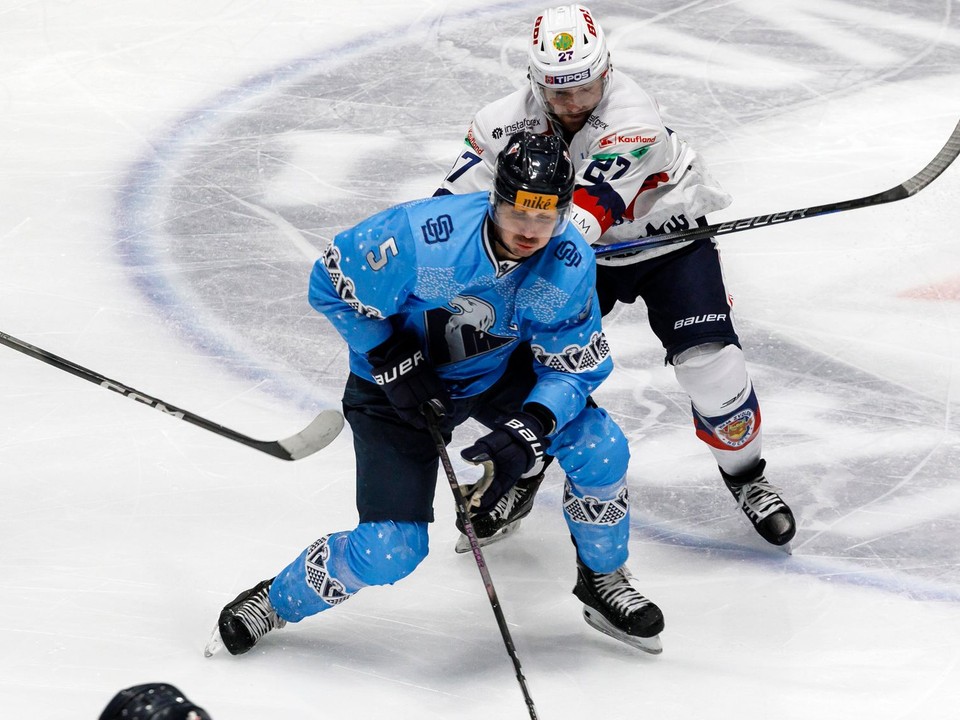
<point x="316" y="436"/>
<point x="948" y="153"/>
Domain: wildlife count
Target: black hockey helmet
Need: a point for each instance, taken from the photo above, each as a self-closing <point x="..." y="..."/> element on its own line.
<point x="534" y="172"/>
<point x="153" y="701"/>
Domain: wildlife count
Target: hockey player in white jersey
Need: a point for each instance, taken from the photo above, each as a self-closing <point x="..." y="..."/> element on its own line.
<point x="635" y="178"/>
<point x="485" y="305"/>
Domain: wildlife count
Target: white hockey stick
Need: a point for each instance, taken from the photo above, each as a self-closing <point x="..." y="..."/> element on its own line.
<point x="317" y="435"/>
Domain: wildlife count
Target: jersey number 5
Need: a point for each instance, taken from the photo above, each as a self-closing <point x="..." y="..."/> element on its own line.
<point x="378" y="258"/>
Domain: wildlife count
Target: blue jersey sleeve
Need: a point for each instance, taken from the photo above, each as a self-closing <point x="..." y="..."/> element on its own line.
<point x="364" y="276"/>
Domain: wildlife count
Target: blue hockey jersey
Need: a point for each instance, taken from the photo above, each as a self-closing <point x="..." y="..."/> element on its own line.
<point x="428" y="267"/>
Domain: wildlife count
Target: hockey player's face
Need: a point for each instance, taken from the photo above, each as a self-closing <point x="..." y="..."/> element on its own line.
<point x="522" y="231"/>
<point x="572" y="106"/>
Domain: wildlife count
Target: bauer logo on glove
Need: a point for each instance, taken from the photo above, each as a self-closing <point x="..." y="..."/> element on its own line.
<point x="402" y="368"/>
<point x="514" y="448"/>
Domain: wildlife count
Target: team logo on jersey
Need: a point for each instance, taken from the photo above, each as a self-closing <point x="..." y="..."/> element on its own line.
<point x="462" y="332"/>
<point x="437" y="229"/>
<point x="563" y="41"/>
<point x="568" y="253"/>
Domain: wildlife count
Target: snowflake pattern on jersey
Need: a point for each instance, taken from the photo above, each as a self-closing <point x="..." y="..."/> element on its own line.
<point x="544" y="299"/>
<point x="575" y="358"/>
<point x="437" y="282"/>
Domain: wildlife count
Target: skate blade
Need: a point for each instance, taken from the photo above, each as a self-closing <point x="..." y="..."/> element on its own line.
<point x="463" y="542"/>
<point x="214" y="644"/>
<point x="787" y="548"/>
<point x="650" y="645"/>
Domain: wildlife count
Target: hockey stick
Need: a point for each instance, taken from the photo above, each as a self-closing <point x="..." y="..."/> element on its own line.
<point x="318" y="434"/>
<point x="434" y="411"/>
<point x="948" y="153"/>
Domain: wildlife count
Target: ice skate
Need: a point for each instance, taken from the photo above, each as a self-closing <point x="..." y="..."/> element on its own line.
<point x="504" y="518"/>
<point x="244" y="621"/>
<point x="763" y="506"/>
<point x="616" y="608"/>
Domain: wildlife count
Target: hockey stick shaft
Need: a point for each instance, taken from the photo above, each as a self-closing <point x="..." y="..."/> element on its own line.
<point x="433" y="414"/>
<point x="948" y="153"/>
<point x="324" y="428"/>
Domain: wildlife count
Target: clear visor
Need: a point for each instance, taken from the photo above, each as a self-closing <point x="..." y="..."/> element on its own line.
<point x="531" y="214"/>
<point x="576" y="100"/>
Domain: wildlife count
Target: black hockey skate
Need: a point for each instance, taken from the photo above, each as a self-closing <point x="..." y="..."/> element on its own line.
<point x="504" y="517"/>
<point x="244" y="621"/>
<point x="763" y="506"/>
<point x="615" y="607"/>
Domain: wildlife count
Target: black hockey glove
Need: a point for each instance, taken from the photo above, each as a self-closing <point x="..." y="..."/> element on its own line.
<point x="407" y="377"/>
<point x="515" y="447"/>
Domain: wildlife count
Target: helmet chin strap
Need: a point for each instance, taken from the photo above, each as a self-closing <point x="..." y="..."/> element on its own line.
<point x="494" y="231"/>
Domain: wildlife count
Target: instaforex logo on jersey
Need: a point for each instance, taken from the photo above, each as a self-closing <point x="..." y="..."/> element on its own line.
<point x="595" y="122"/>
<point x="518" y="126"/>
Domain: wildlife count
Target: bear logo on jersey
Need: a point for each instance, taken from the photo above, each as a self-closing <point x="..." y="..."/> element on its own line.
<point x="461" y="333"/>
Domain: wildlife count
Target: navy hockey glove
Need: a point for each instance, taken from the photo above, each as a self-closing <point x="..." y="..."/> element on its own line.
<point x="514" y="447"/>
<point x="407" y="377"/>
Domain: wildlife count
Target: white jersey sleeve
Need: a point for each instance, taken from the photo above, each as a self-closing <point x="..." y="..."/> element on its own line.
<point x="487" y="135"/>
<point x="635" y="176"/>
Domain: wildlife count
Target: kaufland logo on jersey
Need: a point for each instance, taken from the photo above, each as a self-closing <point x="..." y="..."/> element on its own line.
<point x="615" y="138"/>
<point x="568" y="78"/>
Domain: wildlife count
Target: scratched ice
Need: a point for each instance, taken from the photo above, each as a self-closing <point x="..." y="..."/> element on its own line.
<point x="171" y="176"/>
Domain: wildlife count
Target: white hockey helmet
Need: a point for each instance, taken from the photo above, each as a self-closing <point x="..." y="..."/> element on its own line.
<point x="567" y="49"/>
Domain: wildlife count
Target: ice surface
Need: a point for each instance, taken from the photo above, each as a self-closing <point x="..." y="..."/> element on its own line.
<point x="168" y="173"/>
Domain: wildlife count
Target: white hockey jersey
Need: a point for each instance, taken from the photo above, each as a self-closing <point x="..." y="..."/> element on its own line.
<point x="635" y="177"/>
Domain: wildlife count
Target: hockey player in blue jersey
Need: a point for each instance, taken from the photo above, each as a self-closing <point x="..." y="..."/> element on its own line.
<point x="484" y="302"/>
